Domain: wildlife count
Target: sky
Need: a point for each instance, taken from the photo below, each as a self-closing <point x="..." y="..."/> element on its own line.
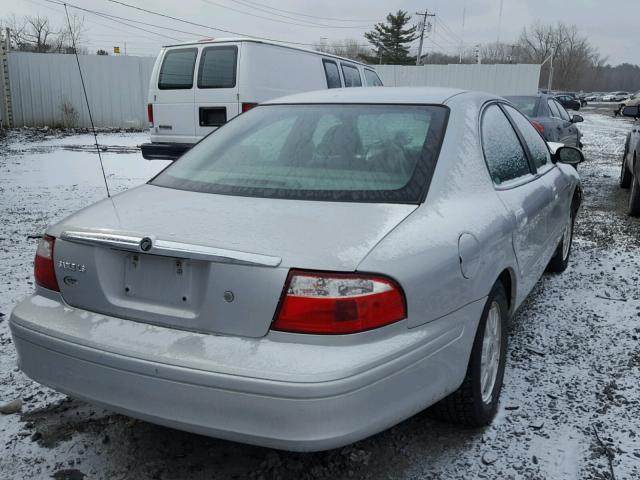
<point x="612" y="27"/>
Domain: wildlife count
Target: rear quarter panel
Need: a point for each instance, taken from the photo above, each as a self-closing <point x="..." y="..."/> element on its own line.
<point x="423" y="253"/>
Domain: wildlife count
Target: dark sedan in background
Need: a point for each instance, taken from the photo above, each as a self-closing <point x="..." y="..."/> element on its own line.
<point x="569" y="101"/>
<point x="550" y="118"/>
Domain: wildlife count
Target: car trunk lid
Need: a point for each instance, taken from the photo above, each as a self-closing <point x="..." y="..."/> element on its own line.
<point x="215" y="263"/>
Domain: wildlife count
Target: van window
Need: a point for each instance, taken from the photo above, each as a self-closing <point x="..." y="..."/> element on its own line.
<point x="218" y="67"/>
<point x="351" y="76"/>
<point x="373" y="80"/>
<point x="177" y="69"/>
<point x="332" y="74"/>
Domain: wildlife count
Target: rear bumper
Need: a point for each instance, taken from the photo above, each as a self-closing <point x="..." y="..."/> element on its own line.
<point x="164" y="151"/>
<point x="180" y="379"/>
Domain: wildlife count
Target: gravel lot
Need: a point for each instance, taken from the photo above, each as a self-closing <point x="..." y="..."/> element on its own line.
<point x="570" y="407"/>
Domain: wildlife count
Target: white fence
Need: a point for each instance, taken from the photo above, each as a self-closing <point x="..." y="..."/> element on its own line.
<point x="499" y="79"/>
<point x="46" y="90"/>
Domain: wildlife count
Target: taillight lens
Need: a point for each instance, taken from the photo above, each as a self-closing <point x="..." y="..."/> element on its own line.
<point x="248" y="106"/>
<point x="43" y="269"/>
<point x="537" y="125"/>
<point x="337" y="303"/>
<point x="150" y="114"/>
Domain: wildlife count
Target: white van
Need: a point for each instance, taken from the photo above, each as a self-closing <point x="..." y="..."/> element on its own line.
<point x="197" y="87"/>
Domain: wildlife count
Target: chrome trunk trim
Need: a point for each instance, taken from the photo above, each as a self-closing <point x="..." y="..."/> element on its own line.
<point x="168" y="248"/>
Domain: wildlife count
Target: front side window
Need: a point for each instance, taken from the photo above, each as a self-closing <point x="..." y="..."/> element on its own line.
<point x="351" y="76"/>
<point x="176" y="72"/>
<point x="506" y="159"/>
<point x="218" y="67"/>
<point x="332" y="74"/>
<point x="359" y="153"/>
<point x="373" y="80"/>
<point x="535" y="142"/>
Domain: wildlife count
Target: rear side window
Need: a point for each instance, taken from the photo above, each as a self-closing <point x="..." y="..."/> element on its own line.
<point x="553" y="106"/>
<point x="218" y="67"/>
<point x="177" y="68"/>
<point x="373" y="80"/>
<point x="537" y="145"/>
<point x="332" y="74"/>
<point x="503" y="152"/>
<point x="351" y="76"/>
<point x="563" y="113"/>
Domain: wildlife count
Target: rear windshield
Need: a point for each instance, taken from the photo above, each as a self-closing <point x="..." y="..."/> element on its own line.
<point x="359" y="153"/>
<point x="177" y="69"/>
<point x="218" y="67"/>
<point x="526" y="105"/>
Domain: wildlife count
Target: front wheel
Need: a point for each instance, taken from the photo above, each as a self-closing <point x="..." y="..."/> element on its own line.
<point x="560" y="259"/>
<point x="475" y="403"/>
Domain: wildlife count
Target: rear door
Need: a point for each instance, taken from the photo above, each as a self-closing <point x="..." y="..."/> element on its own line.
<point x="173" y="97"/>
<point x="526" y="198"/>
<point x="548" y="175"/>
<point x="571" y="134"/>
<point x="351" y="75"/>
<point x="561" y="124"/>
<point x="217" y="90"/>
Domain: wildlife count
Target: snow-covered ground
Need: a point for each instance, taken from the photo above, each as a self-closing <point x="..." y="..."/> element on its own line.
<point x="570" y="407"/>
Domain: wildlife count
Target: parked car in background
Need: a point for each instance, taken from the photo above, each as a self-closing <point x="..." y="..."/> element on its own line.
<point x="321" y="268"/>
<point x="550" y="118"/>
<point x="568" y="101"/>
<point x="595" y="96"/>
<point x="630" y="171"/>
<point x="634" y="99"/>
<point x="615" y="97"/>
<point x="197" y="87"/>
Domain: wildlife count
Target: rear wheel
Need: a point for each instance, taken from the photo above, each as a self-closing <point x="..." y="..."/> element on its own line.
<point x="625" y="174"/>
<point x="634" y="197"/>
<point x="560" y="259"/>
<point x="475" y="403"/>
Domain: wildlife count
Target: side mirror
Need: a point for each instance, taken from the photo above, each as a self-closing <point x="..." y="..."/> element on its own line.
<point x="569" y="155"/>
<point x="631" y="111"/>
<point x="577" y="118"/>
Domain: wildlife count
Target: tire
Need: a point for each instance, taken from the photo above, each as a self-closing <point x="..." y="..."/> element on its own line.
<point x="472" y="405"/>
<point x="625" y="174"/>
<point x="634" y="197"/>
<point x="560" y="259"/>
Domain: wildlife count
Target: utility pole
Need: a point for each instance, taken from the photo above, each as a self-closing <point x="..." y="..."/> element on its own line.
<point x="422" y="25"/>
<point x="478" y="59"/>
<point x="550" y="84"/>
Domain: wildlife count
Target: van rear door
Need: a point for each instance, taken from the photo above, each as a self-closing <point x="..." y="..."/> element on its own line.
<point x="216" y="92"/>
<point x="173" y="96"/>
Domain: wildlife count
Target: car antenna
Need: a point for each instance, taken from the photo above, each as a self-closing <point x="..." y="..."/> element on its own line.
<point x="93" y="128"/>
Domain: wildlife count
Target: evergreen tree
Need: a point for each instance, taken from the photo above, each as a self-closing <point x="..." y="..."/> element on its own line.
<point x="391" y="40"/>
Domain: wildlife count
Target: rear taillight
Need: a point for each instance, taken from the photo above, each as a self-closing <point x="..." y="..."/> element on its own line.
<point x="248" y="106"/>
<point x="336" y="303"/>
<point x="150" y="114"/>
<point x="537" y="125"/>
<point x="43" y="269"/>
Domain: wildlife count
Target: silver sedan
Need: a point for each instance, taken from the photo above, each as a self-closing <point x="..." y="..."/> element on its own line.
<point x="315" y="271"/>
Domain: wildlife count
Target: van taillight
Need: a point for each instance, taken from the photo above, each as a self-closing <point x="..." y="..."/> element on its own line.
<point x="43" y="269"/>
<point x="338" y="303"/>
<point x="150" y="114"/>
<point x="248" y="106"/>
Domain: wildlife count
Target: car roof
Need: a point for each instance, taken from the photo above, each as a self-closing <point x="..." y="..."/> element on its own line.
<point x="213" y="41"/>
<point x="391" y="95"/>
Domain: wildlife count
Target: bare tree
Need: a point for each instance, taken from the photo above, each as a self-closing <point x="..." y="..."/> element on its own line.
<point x="348" y="48"/>
<point x="36" y="34"/>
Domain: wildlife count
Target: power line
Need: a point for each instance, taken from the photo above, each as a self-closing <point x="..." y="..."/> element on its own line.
<point x="189" y="22"/>
<point x="307" y="24"/>
<point x="254" y="4"/>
